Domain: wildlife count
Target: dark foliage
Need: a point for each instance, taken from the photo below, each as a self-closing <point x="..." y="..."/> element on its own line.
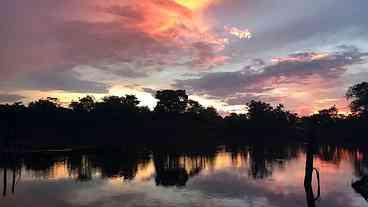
<point x="359" y="96"/>
<point x="176" y="120"/>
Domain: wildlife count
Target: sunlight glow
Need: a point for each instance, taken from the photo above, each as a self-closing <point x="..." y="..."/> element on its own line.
<point x="303" y="57"/>
<point x="239" y="33"/>
<point x="195" y="4"/>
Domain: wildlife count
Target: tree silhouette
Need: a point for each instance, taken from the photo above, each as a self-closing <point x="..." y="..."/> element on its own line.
<point x="175" y="115"/>
<point x="197" y="111"/>
<point x="110" y="103"/>
<point x="171" y="101"/>
<point x="44" y="105"/>
<point x="118" y="104"/>
<point x="210" y="114"/>
<point x="258" y="110"/>
<point x="359" y="96"/>
<point x="131" y="101"/>
<point x="85" y="104"/>
<point x="325" y="117"/>
<point x="194" y="108"/>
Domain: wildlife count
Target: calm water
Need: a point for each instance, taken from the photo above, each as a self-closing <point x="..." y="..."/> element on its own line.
<point x="244" y="176"/>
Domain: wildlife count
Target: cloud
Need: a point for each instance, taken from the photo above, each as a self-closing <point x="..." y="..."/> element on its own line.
<point x="206" y="57"/>
<point x="48" y="35"/>
<point x="239" y="33"/>
<point x="10" y="98"/>
<point x="146" y="40"/>
<point x="50" y="81"/>
<point x="295" y="24"/>
<point x="291" y="77"/>
<point x="150" y="91"/>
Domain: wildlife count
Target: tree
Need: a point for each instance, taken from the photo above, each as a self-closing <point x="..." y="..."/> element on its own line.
<point x="130" y="101"/>
<point x="283" y="116"/>
<point x="171" y="101"/>
<point x="86" y="104"/>
<point x="258" y="110"/>
<point x="10" y="114"/>
<point x="359" y="96"/>
<point x="325" y="117"/>
<point x="15" y="107"/>
<point x="44" y="105"/>
<point x="194" y="107"/>
<point x="116" y="103"/>
<point x="210" y="114"/>
<point x="331" y="113"/>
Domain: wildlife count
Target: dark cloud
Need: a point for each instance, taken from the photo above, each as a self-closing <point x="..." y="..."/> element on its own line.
<point x="206" y="57"/>
<point x="10" y="98"/>
<point x="150" y="91"/>
<point x="312" y="22"/>
<point x="126" y="70"/>
<point x="237" y="87"/>
<point x="47" y="81"/>
<point x="356" y="77"/>
<point x="28" y="35"/>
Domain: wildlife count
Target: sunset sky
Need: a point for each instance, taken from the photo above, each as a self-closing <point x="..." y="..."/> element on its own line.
<point x="302" y="53"/>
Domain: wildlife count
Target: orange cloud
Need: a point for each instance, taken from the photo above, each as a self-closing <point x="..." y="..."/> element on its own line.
<point x="196" y="4"/>
<point x="308" y="97"/>
<point x="241" y="34"/>
<point x="301" y="57"/>
<point x="175" y="24"/>
<point x="178" y="21"/>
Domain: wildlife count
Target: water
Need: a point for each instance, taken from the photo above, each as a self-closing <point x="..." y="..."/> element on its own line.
<point x="252" y="176"/>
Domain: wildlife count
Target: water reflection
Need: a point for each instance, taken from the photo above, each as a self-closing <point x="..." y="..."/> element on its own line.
<point x="252" y="175"/>
<point x="10" y="164"/>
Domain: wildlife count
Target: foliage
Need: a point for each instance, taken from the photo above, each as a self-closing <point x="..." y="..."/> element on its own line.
<point x="176" y="115"/>
<point x="47" y="105"/>
<point x="85" y="104"/>
<point x="359" y="96"/>
<point x="171" y="101"/>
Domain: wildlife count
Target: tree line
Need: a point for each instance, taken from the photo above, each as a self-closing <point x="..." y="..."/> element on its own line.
<point x="175" y="119"/>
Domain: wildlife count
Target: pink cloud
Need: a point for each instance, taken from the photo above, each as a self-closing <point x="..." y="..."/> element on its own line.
<point x="49" y="35"/>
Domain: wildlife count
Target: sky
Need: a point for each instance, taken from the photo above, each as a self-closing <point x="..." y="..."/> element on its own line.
<point x="224" y="53"/>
